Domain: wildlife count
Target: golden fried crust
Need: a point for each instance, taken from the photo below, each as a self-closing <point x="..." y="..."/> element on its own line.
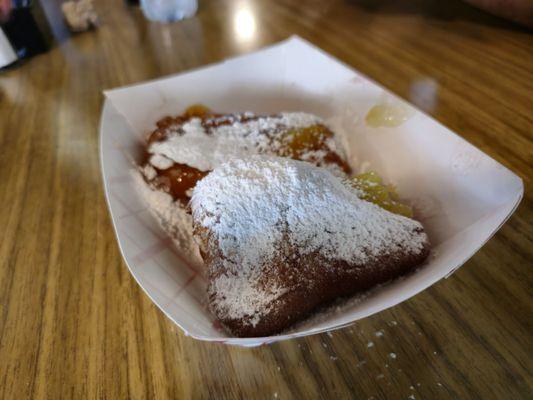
<point x="311" y="281"/>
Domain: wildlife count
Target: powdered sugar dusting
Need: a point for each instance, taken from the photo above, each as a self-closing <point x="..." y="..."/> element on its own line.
<point x="170" y="214"/>
<point x="251" y="297"/>
<point x="251" y="205"/>
<point x="205" y="145"/>
<point x="160" y="161"/>
<point x="317" y="157"/>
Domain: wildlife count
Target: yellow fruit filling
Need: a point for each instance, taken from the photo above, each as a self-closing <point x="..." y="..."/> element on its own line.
<point x="372" y="189"/>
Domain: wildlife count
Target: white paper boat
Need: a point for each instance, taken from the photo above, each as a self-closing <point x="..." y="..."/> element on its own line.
<point x="462" y="195"/>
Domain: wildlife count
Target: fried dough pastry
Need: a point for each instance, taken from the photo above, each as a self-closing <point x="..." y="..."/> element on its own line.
<point x="282" y="237"/>
<point x="183" y="149"/>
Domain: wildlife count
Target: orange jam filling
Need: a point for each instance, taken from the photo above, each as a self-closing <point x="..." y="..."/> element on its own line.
<point x="298" y="143"/>
<point x="178" y="181"/>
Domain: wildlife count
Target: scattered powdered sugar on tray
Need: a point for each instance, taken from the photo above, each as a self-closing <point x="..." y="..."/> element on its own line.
<point x="251" y="205"/>
<point x="170" y="214"/>
<point x="323" y="314"/>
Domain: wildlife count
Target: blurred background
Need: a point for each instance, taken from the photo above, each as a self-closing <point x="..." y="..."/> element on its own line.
<point x="73" y="321"/>
<point x="30" y="27"/>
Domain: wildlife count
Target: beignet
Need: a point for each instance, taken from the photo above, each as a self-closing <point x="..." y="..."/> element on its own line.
<point x="281" y="237"/>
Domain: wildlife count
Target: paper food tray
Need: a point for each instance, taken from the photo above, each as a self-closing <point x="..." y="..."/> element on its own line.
<point x="462" y="196"/>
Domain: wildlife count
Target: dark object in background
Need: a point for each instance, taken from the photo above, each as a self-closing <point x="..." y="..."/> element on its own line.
<point x="133" y="2"/>
<point x="520" y="11"/>
<point x="27" y="28"/>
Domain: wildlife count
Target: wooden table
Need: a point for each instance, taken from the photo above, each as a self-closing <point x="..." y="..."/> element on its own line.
<point x="73" y="322"/>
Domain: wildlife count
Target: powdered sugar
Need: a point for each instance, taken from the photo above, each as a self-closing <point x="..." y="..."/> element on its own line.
<point x="160" y="161"/>
<point x="317" y="157"/>
<point x="205" y="145"/>
<point x="148" y="171"/>
<point x="170" y="214"/>
<point x="249" y="205"/>
<point x="251" y="297"/>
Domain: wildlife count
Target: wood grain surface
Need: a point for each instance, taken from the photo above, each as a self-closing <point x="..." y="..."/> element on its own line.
<point x="73" y="322"/>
